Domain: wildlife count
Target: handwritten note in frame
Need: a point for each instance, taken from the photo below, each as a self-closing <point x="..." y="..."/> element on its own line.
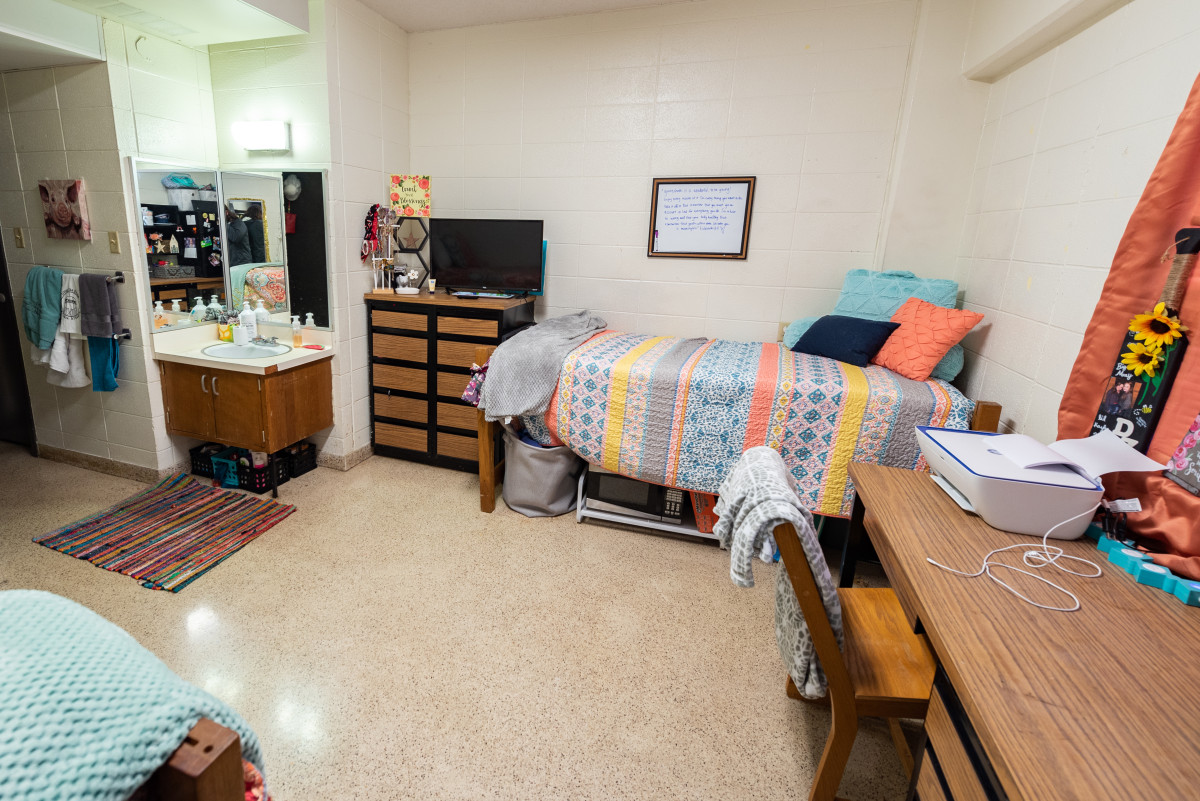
<point x="700" y="218"/>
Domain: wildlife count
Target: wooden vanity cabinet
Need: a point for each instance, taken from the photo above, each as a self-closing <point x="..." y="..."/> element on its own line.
<point x="247" y="410"/>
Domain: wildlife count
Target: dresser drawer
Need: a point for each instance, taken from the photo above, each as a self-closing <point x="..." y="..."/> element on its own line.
<point x="457" y="447"/>
<point x="416" y="411"/>
<point x="405" y="378"/>
<point x="414" y="439"/>
<point x="456" y="354"/>
<point x="950" y="753"/>
<point x="409" y="322"/>
<point x="410" y="349"/>
<point x="451" y="385"/>
<point x="929" y="786"/>
<point x="465" y="326"/>
<point x="466" y="417"/>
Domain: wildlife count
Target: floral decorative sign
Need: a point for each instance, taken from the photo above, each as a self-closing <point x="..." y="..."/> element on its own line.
<point x="410" y="195"/>
<point x="1184" y="465"/>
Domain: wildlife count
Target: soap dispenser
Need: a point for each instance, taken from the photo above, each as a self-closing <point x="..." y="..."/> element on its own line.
<point x="261" y="314"/>
<point x="247" y="321"/>
<point x="198" y="309"/>
<point x="160" y="319"/>
<point x="297" y="339"/>
<point x="215" y="305"/>
<point x="175" y="306"/>
<point x="308" y="321"/>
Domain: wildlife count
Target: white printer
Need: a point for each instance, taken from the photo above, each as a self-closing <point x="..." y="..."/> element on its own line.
<point x="1017" y="484"/>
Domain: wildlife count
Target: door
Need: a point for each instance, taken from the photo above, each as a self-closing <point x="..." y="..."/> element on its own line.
<point x="188" y="395"/>
<point x="16" y="410"/>
<point x="237" y="409"/>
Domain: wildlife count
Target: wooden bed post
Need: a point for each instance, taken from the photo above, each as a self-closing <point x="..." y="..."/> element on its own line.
<point x="490" y="473"/>
<point x="986" y="417"/>
<point x="207" y="767"/>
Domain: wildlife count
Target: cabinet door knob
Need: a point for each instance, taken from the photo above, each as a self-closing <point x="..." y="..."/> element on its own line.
<point x="215" y="385"/>
<point x="202" y="385"/>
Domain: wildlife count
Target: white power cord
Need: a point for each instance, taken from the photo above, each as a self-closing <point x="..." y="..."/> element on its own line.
<point x="1035" y="558"/>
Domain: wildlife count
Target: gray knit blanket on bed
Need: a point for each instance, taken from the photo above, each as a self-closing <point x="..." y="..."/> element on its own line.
<point x="755" y="497"/>
<point x="523" y="372"/>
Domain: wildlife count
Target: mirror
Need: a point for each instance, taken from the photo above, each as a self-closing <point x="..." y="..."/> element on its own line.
<point x="277" y="250"/>
<point x="178" y="212"/>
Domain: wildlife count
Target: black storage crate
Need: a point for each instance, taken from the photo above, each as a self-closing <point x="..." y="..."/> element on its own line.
<point x="202" y="462"/>
<point x="303" y="459"/>
<point x="258" y="479"/>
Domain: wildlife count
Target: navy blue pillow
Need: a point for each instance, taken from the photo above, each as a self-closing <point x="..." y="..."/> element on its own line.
<point x="848" y="339"/>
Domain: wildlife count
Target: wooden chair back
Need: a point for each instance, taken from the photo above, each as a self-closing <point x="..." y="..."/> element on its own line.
<point x="841" y="687"/>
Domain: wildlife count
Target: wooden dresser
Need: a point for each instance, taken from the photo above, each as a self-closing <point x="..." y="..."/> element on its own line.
<point x="421" y="349"/>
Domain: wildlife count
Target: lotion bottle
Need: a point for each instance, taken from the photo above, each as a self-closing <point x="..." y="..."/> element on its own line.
<point x="160" y="319"/>
<point x="308" y="321"/>
<point x="261" y="314"/>
<point x="198" y="309"/>
<point x="175" y="306"/>
<point x="214" y="304"/>
<point x="247" y="320"/>
<point x="297" y="338"/>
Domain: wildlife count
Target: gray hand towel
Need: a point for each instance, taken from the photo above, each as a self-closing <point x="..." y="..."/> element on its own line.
<point x="114" y="308"/>
<point x="95" y="302"/>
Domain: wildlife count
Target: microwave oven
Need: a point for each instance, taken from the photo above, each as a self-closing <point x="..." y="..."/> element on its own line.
<point x="610" y="492"/>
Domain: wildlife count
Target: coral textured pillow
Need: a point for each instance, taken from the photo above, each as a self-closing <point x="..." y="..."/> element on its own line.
<point x="926" y="333"/>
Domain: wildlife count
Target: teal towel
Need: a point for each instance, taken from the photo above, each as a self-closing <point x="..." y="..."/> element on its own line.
<point x="42" y="306"/>
<point x="85" y="711"/>
<point x="105" y="356"/>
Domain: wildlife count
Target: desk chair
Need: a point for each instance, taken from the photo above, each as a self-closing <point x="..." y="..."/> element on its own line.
<point x="885" y="671"/>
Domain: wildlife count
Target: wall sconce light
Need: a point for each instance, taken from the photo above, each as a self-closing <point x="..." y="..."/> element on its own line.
<point x="271" y="135"/>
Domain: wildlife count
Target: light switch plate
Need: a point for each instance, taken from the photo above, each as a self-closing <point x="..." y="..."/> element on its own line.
<point x="19" y="237"/>
<point x="114" y="242"/>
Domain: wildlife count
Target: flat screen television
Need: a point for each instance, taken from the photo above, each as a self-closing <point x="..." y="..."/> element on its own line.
<point x="491" y="255"/>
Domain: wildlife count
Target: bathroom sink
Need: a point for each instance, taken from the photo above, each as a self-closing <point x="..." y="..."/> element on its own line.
<point x="227" y="350"/>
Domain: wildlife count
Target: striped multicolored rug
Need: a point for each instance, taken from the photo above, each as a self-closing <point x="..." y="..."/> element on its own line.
<point x="169" y="535"/>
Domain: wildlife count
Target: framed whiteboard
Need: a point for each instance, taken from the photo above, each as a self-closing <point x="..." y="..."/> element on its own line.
<point x="700" y="218"/>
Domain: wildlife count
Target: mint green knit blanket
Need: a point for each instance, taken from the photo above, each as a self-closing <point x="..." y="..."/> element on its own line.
<point x="85" y="711"/>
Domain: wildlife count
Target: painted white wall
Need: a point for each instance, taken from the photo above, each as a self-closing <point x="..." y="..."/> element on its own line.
<point x="1008" y="33"/>
<point x="80" y="122"/>
<point x="568" y="120"/>
<point x="939" y="134"/>
<point x="1069" y="142"/>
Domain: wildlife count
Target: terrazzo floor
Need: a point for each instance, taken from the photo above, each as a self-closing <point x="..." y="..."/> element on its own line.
<point x="389" y="641"/>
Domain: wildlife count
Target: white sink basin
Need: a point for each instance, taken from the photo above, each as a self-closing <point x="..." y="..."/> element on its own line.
<point x="228" y="350"/>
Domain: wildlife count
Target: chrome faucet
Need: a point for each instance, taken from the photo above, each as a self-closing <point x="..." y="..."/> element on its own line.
<point x="263" y="341"/>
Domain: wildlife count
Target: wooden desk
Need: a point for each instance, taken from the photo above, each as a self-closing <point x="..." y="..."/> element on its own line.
<point x="1099" y="703"/>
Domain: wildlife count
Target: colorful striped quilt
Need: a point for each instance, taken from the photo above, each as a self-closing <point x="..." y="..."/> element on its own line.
<point x="680" y="412"/>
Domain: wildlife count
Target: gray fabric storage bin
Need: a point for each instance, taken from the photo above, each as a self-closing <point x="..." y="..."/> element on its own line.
<point x="539" y="482"/>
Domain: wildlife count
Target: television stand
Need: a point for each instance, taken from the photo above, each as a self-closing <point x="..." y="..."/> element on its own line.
<point x="420" y="351"/>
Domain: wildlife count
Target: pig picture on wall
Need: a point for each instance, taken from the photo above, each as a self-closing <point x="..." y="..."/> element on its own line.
<point x="65" y="209"/>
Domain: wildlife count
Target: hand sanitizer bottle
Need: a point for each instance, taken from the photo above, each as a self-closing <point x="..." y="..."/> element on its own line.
<point x="261" y="314"/>
<point x="214" y="304"/>
<point x="247" y="321"/>
<point x="297" y="339"/>
<point x="160" y="319"/>
<point x="308" y="321"/>
<point x="198" y="309"/>
<point x="175" y="306"/>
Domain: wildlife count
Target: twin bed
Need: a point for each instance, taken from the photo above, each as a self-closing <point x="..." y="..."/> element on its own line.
<point x="680" y="412"/>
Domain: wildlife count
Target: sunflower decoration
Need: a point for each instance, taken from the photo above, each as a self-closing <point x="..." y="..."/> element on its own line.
<point x="1156" y="329"/>
<point x="1141" y="359"/>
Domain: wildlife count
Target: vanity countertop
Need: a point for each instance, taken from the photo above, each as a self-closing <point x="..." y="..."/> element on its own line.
<point x="186" y="347"/>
